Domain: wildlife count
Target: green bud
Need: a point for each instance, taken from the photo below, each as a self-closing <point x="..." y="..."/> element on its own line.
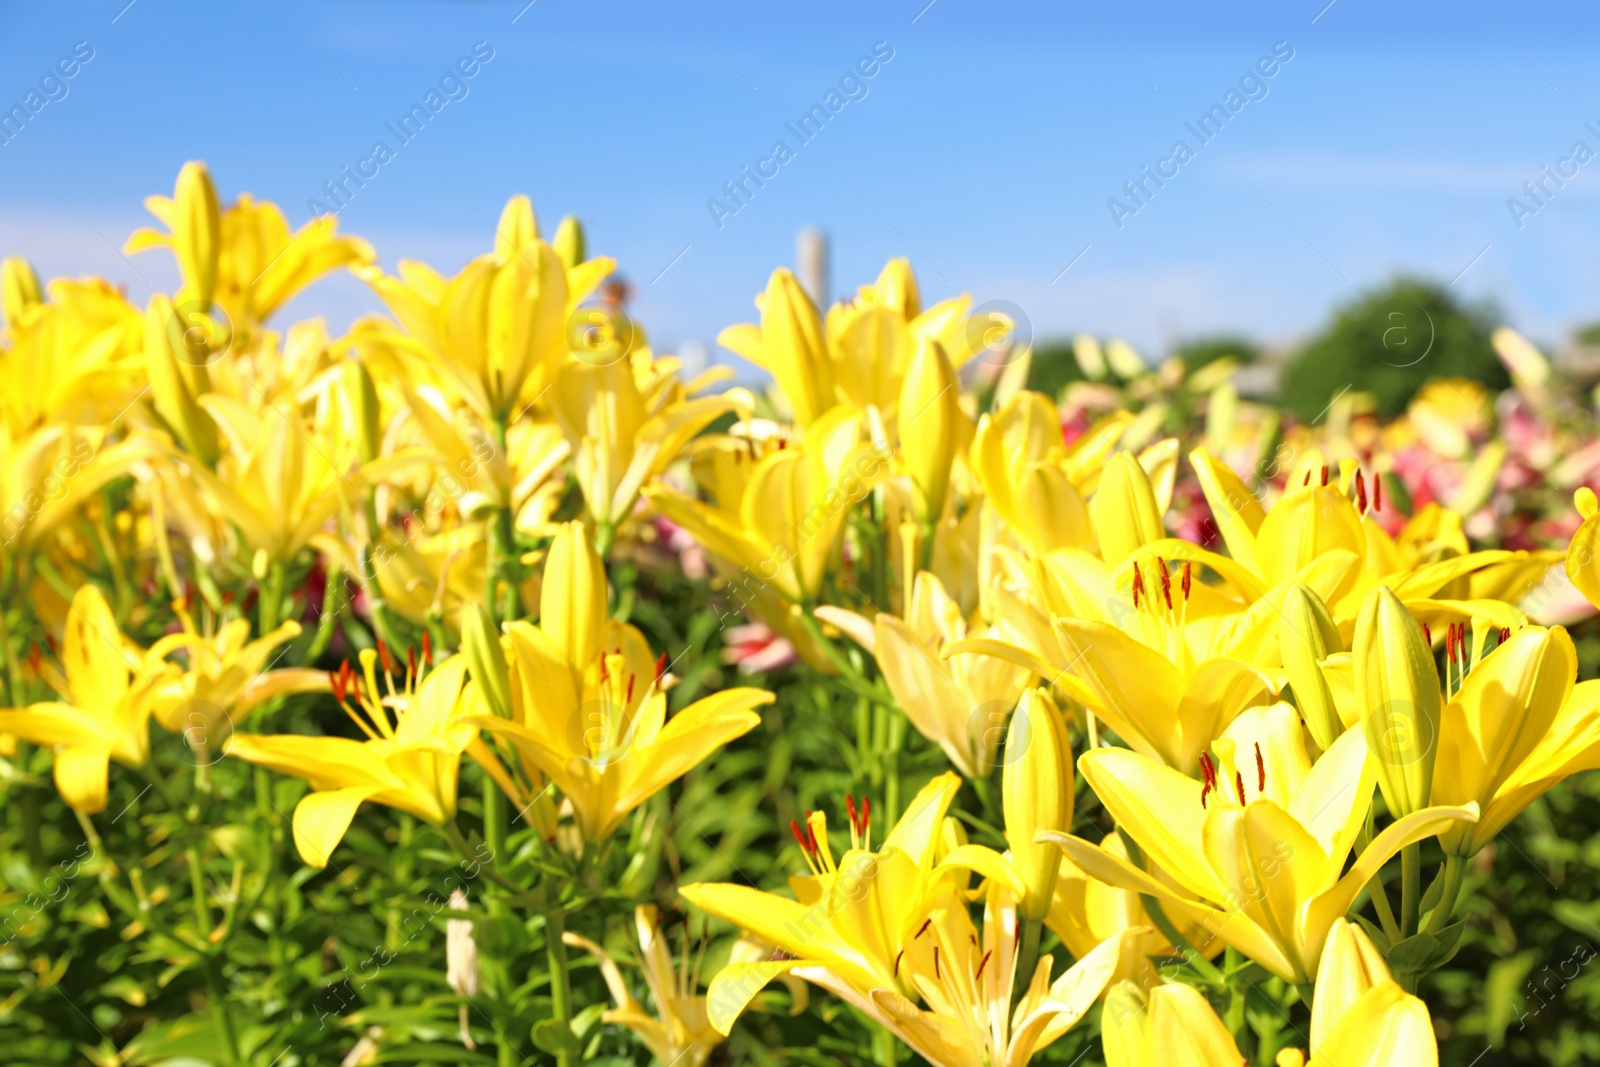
<point x="176" y="384"/>
<point x="1307" y="636"/>
<point x="486" y="660"/>
<point x="1397" y="685"/>
<point x="362" y="395"/>
<point x="19" y="288"/>
<point x="569" y="243"/>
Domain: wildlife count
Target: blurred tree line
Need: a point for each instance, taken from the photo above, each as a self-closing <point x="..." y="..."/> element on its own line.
<point x="1386" y="341"/>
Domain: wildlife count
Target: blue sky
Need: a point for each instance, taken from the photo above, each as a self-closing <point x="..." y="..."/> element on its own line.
<point x="986" y="149"/>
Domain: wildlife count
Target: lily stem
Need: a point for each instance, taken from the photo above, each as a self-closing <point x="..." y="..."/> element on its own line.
<point x="560" y="982"/>
<point x="217" y="993"/>
<point x="1380" y="903"/>
<point x="1028" y="952"/>
<point x="1455" y="870"/>
<point x="1410" y="885"/>
<point x="885" y="1053"/>
<point x="271" y="598"/>
<point x="1158" y="917"/>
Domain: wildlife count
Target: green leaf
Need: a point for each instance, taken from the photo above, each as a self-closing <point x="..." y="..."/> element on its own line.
<point x="1500" y="992"/>
<point x="554" y="1038"/>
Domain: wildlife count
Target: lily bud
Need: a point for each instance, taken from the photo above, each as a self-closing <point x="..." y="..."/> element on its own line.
<point x="1397" y="685"/>
<point x="1036" y="796"/>
<point x="177" y="384"/>
<point x="1142" y="1029"/>
<point x="897" y="287"/>
<point x="792" y="339"/>
<point x="517" y="231"/>
<point x="1124" y="510"/>
<point x="1092" y="361"/>
<point x="1583" y="554"/>
<point x="197" y="232"/>
<point x="486" y="660"/>
<point x="1125" y="362"/>
<point x="569" y="242"/>
<point x="572" y="608"/>
<point x="1351" y="964"/>
<point x="362" y="396"/>
<point x="1307" y="636"/>
<point x="19" y="288"/>
<point x="930" y="413"/>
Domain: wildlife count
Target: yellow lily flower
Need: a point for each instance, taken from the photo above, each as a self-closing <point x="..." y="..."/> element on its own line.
<point x="784" y="526"/>
<point x="1085" y="911"/>
<point x="1162" y="664"/>
<point x="263" y="266"/>
<point x="1169" y="1025"/>
<point x="1316" y="535"/>
<point x="276" y="486"/>
<point x="410" y="759"/>
<point x="1360" y="1016"/>
<point x="680" y="1032"/>
<point x="960" y="703"/>
<point x="499" y="328"/>
<point x="1036" y="482"/>
<point x="1514" y="726"/>
<point x="789" y="343"/>
<point x="966" y="980"/>
<point x="73" y="358"/>
<point x="1583" y="553"/>
<point x="47" y="475"/>
<point x="860" y="356"/>
<point x="589" y="701"/>
<point x="242" y="258"/>
<point x="1256" y="850"/>
<point x="193" y="218"/>
<point x="852" y="921"/>
<point x="225" y="678"/>
<point x="621" y="435"/>
<point x="106" y="689"/>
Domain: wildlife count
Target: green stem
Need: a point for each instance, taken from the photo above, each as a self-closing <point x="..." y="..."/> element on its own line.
<point x="885" y="1050"/>
<point x="271" y="599"/>
<point x="847" y="671"/>
<point x="1455" y="870"/>
<point x="217" y="992"/>
<point x="560" y="982"/>
<point x="1158" y="917"/>
<point x="332" y="605"/>
<point x="1380" y="903"/>
<point x="494" y="818"/>
<point x="1410" y="886"/>
<point x="1028" y="953"/>
<point x="891" y="768"/>
<point x="197" y="889"/>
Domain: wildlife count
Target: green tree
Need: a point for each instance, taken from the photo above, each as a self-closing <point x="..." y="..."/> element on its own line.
<point x="1196" y="352"/>
<point x="1054" y="367"/>
<point x="1388" y="342"/>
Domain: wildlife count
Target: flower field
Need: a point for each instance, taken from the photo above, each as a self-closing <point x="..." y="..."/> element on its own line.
<point x="485" y="686"/>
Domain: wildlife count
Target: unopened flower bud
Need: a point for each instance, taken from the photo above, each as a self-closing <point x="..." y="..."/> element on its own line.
<point x="1397" y="683"/>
